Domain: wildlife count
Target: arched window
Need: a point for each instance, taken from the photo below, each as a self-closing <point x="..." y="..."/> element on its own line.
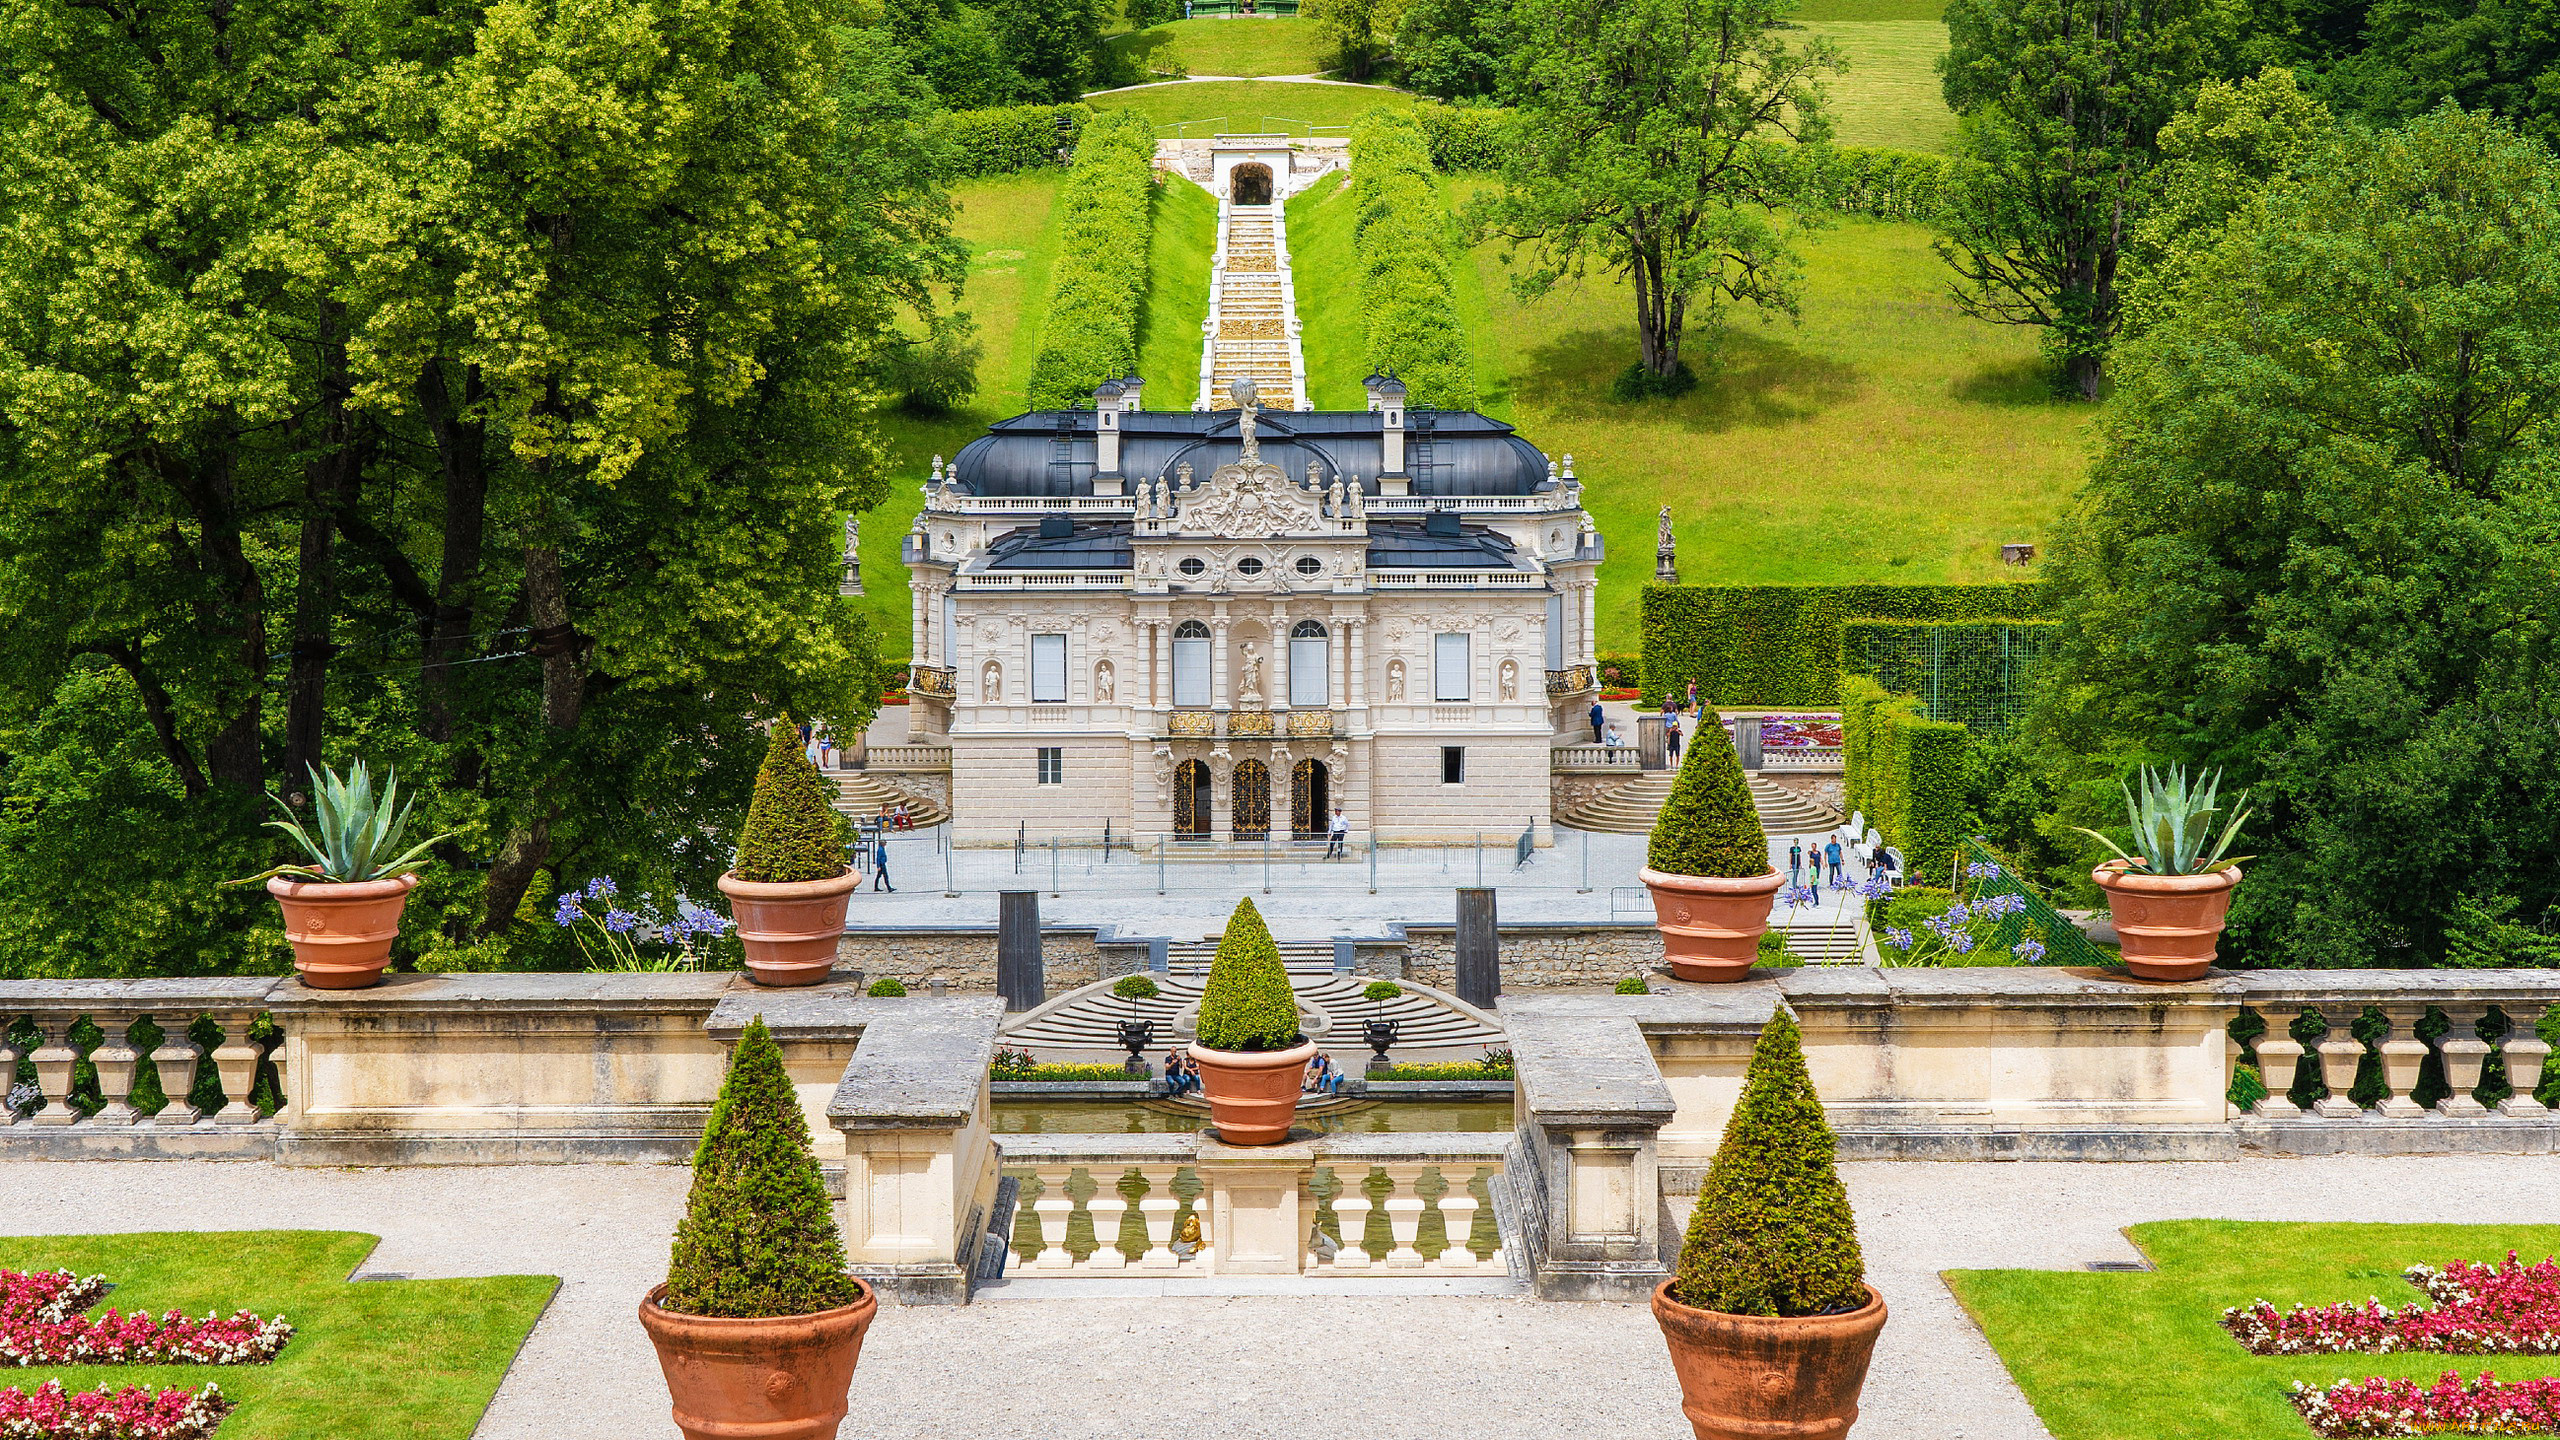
<point x="1191" y="664"/>
<point x="1310" y="668"/>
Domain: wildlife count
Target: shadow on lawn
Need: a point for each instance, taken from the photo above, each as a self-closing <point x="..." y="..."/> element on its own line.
<point x="2028" y="382"/>
<point x="1749" y="379"/>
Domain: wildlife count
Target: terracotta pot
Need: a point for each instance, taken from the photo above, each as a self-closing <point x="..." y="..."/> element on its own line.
<point x="1711" y="928"/>
<point x="341" y="933"/>
<point x="778" y="1379"/>
<point x="2169" y="923"/>
<point x="790" y="930"/>
<point x="1252" y="1094"/>
<point x="1762" y="1377"/>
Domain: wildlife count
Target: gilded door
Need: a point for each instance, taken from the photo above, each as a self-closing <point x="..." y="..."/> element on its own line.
<point x="1252" y="800"/>
<point x="1191" y="798"/>
<point x="1308" y="800"/>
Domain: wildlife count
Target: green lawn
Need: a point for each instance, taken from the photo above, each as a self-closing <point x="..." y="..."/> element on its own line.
<point x="1246" y="46"/>
<point x="1333" y="331"/>
<point x="1827" y="10"/>
<point x="1256" y="106"/>
<point x="1185" y="228"/>
<point x="2141" y="1357"/>
<point x="388" y="1360"/>
<point x="1890" y="96"/>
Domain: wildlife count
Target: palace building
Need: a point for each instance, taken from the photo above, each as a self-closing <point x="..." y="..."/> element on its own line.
<point x="1222" y="624"/>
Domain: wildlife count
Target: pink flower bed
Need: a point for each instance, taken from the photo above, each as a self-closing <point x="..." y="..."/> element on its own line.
<point x="2507" y="1309"/>
<point x="1789" y="732"/>
<point x="133" y="1413"/>
<point x="41" y="1324"/>
<point x="2486" y="1406"/>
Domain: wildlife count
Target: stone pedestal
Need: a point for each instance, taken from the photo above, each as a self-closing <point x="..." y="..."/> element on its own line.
<point x="1259" y="1210"/>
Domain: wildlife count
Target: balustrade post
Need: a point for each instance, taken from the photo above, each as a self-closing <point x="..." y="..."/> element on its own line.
<point x="2340" y="1053"/>
<point x="2279" y="1056"/>
<point x="115" y="1059"/>
<point x="1157" y="1208"/>
<point x="1107" y="1207"/>
<point x="2525" y="1054"/>
<point x="2401" y="1056"/>
<point x="11" y="1052"/>
<point x="236" y="1061"/>
<point x="1458" y="1214"/>
<point x="1055" y="1208"/>
<point x="53" y="1072"/>
<point x="2464" y="1052"/>
<point x="1351" y="1206"/>
<point x="1404" y="1214"/>
<point x="177" y="1060"/>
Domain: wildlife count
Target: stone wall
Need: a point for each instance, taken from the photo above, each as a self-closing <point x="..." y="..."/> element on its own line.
<point x="964" y="958"/>
<point x="1540" y="956"/>
<point x="931" y="786"/>
<point x="1567" y="792"/>
<point x="1829" y="791"/>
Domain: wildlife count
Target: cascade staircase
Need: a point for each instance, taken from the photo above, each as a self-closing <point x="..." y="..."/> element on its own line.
<point x="1251" y="313"/>
<point x="1089" y="1022"/>
<point x="861" y="797"/>
<point x="1631" y="809"/>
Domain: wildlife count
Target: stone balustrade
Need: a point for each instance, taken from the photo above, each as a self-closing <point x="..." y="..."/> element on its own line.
<point x="44" y="1015"/>
<point x="2508" y="1002"/>
<point x="1577" y="759"/>
<point x="1800" y="757"/>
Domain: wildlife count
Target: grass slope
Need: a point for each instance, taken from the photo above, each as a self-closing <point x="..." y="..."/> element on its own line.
<point x="1886" y="439"/>
<point x="1245" y="46"/>
<point x="1333" y="331"/>
<point x="2140" y="1357"/>
<point x="388" y="1360"/>
<point x="1184" y="226"/>
<point x="1259" y="106"/>
<point x="1890" y="96"/>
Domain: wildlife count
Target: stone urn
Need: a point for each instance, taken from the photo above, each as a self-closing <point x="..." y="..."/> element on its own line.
<point x="1711" y="927"/>
<point x="2170" y="924"/>
<point x="784" y="1378"/>
<point x="1252" y="1094"/>
<point x="341" y="933"/>
<point x="1769" y="1377"/>
<point x="790" y="930"/>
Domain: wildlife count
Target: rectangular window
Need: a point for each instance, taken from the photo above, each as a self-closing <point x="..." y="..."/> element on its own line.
<point x="1452" y="669"/>
<point x="1555" y="632"/>
<point x="1048" y="668"/>
<point x="1309" y="687"/>
<point x="950" y="630"/>
<point x="1453" y="764"/>
<point x="1191" y="672"/>
<point x="1053" y="765"/>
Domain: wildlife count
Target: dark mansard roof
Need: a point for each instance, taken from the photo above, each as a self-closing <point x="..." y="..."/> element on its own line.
<point x="1437" y="543"/>
<point x="1447" y="452"/>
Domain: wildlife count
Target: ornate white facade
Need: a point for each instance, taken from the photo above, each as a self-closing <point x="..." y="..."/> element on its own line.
<point x="1218" y="625"/>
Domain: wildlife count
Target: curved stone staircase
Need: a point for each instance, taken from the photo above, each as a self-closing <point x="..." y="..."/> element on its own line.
<point x="1631" y="809"/>
<point x="860" y="796"/>
<point x="1086" y="1021"/>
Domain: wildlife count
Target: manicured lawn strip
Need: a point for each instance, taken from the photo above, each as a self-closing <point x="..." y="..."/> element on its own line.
<point x="1475" y="312"/>
<point x="386" y="1360"/>
<point x="1185" y="229"/>
<point x="1323" y="254"/>
<point x="1258" y="106"/>
<point x="1891" y="95"/>
<point x="2143" y="1356"/>
<point x="1262" y="45"/>
<point x="1814" y="11"/>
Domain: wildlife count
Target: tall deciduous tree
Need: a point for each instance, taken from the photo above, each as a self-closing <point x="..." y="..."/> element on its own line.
<point x="2322" y="545"/>
<point x="1643" y="147"/>
<point x="2062" y="103"/>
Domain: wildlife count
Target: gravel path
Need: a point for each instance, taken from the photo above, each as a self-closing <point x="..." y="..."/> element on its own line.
<point x="1246" y="1369"/>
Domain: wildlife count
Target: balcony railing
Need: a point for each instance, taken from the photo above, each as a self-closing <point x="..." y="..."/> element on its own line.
<point x="1571" y="680"/>
<point x="1571" y="758"/>
<point x="937" y="681"/>
<point x="1457" y="579"/>
<point x="911" y="758"/>
<point x="1801" y="757"/>
<point x="1313" y="722"/>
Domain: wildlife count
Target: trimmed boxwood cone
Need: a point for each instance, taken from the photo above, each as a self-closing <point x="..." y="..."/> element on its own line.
<point x="1252" y="1058"/>
<point x="790" y="885"/>
<point x="758" y="1327"/>
<point x="1708" y="868"/>
<point x="1769" y="1320"/>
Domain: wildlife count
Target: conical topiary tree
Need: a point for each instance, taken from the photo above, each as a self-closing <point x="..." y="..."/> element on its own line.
<point x="791" y="832"/>
<point x="1773" y="1233"/>
<point x="758" y="1239"/>
<point x="1248" y="1004"/>
<point x="1709" y="825"/>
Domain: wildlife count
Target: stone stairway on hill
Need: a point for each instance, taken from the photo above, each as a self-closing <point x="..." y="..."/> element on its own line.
<point x="1631" y="809"/>
<point x="1252" y="325"/>
<point x="860" y="796"/>
<point x="1088" y="1021"/>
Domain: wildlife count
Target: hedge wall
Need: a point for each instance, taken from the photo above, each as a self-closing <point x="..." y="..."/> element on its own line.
<point x="1780" y="644"/>
<point x="1972" y="672"/>
<point x="1462" y="137"/>
<point x="1402" y="238"/>
<point x="1905" y="773"/>
<point x="1099" y="286"/>
<point x="1012" y="137"/>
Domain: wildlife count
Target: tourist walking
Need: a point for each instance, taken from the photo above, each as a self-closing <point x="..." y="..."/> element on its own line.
<point x="1598" y="719"/>
<point x="1795" y="862"/>
<point x="1337" y="835"/>
<point x="880" y="862"/>
<point x="1693" y="696"/>
<point x="1671" y="737"/>
<point x="1831" y="852"/>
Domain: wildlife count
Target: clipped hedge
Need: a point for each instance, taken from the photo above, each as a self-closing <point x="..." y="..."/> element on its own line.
<point x="1099" y="286"/>
<point x="1012" y="137"/>
<point x="1905" y="772"/>
<point x="1780" y="644"/>
<point x="1402" y="238"/>
<point x="1972" y="672"/>
<point x="1462" y="137"/>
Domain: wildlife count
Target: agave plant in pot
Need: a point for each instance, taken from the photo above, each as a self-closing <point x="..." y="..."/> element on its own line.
<point x="1250" y="1052"/>
<point x="1708" y="868"/>
<point x="342" y="910"/>
<point x="2170" y="894"/>
<point x="790" y="884"/>
<point x="758" y="1326"/>
<point x="1770" y="1320"/>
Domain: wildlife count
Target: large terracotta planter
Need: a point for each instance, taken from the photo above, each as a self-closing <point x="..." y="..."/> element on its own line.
<point x="1756" y="1377"/>
<point x="1711" y="928"/>
<point x="779" y="1379"/>
<point x="1252" y="1094"/>
<point x="341" y="933"/>
<point x="790" y="930"/>
<point x="2169" y="924"/>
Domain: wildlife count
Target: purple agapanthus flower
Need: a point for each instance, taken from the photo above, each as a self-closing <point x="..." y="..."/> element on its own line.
<point x="1981" y="870"/>
<point x="601" y="888"/>
<point x="1961" y="942"/>
<point x="1898" y="938"/>
<point x="2029" y="952"/>
<point x="621" y="922"/>
<point x="1957" y="913"/>
<point x="1797" y="896"/>
<point x="1874" y="888"/>
<point x="567" y="911"/>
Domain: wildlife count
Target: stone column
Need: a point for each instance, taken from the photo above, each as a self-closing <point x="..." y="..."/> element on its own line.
<point x="1591" y="623"/>
<point x="2525" y="1054"/>
<point x="920" y="1165"/>
<point x="1279" y="627"/>
<point x="1258" y="1205"/>
<point x="10" y="1054"/>
<point x="1359" y="662"/>
<point x="1218" y="660"/>
<point x="1650" y="751"/>
<point x="177" y="1059"/>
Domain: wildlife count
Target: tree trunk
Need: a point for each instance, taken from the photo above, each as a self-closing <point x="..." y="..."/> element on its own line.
<point x="511" y="874"/>
<point x="327" y="482"/>
<point x="2085" y="372"/>
<point x="462" y="453"/>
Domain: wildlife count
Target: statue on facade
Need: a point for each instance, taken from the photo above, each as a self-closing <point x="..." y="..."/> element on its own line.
<point x="1102" y="683"/>
<point x="1243" y="391"/>
<point x="1395" y="682"/>
<point x="853" y="555"/>
<point x="1510" y="680"/>
<point x="1249" y="674"/>
<point x="1666" y="553"/>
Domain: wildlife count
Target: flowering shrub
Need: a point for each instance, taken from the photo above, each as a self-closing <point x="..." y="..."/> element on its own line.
<point x="2508" y="1309"/>
<point x="41" y="1324"/>
<point x="1960" y="930"/>
<point x="619" y="933"/>
<point x="2486" y="1406"/>
<point x="132" y="1413"/>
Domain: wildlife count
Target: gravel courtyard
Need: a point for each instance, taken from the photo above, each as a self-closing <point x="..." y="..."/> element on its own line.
<point x="1423" y="1368"/>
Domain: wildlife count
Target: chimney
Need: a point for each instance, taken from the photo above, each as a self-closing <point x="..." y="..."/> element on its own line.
<point x="1106" y="438"/>
<point x="1129" y="386"/>
<point x="1371" y="385"/>
<point x="1390" y="406"/>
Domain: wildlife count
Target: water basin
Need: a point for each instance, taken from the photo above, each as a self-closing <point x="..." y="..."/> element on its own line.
<point x="1374" y="1117"/>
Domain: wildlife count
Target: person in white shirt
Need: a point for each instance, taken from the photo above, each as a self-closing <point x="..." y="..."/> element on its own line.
<point x="1337" y="835"/>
